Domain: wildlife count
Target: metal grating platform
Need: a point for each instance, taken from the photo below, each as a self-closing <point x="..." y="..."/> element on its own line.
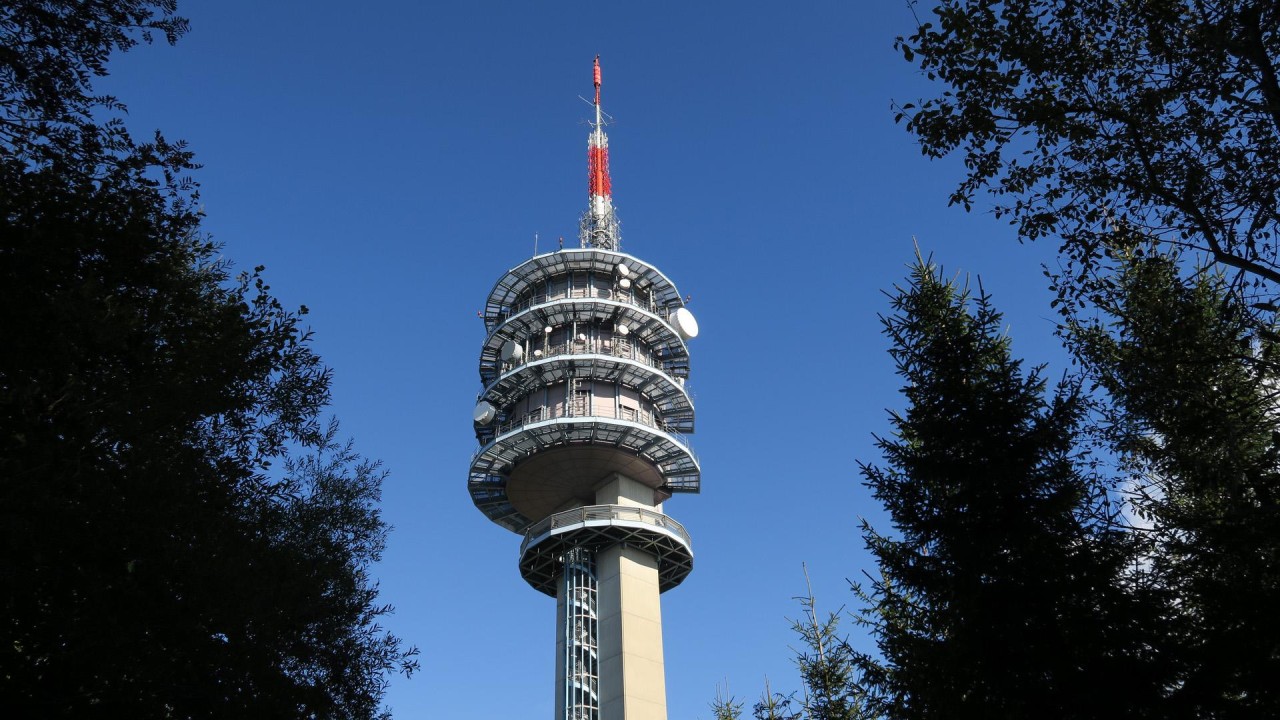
<point x="646" y="327"/>
<point x="519" y="279"/>
<point x="667" y="452"/>
<point x="597" y="526"/>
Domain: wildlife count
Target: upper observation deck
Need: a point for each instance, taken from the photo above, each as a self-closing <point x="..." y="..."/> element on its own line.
<point x="600" y="322"/>
<point x="667" y="396"/>
<point x="530" y="283"/>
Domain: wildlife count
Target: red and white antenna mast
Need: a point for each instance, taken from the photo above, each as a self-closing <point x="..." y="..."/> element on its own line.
<point x="599" y="224"/>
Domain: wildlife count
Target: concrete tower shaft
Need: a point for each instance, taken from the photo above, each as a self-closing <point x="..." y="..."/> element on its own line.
<point x="581" y="422"/>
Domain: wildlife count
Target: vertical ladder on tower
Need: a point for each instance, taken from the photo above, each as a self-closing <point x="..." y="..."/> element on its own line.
<point x="581" y="624"/>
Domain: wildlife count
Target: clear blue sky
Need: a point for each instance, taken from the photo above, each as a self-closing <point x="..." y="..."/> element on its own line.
<point x="388" y="161"/>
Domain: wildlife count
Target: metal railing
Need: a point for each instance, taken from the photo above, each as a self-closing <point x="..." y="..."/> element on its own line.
<point x="581" y="515"/>
<point x="611" y="345"/>
<point x="574" y="409"/>
<point x="630" y="297"/>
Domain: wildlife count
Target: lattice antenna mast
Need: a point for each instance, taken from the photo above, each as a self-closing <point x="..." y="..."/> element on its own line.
<point x="599" y="223"/>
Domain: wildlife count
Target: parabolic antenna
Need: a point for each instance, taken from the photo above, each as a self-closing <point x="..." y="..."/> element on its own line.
<point x="685" y="324"/>
<point x="484" y="413"/>
<point x="512" y="351"/>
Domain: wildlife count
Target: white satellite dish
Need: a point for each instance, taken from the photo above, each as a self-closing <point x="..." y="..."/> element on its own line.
<point x="484" y="413"/>
<point x="685" y="323"/>
<point x="625" y="284"/>
<point x="623" y="270"/>
<point x="623" y="330"/>
<point x="582" y="337"/>
<point x="548" y="329"/>
<point x="537" y="353"/>
<point x="512" y="351"/>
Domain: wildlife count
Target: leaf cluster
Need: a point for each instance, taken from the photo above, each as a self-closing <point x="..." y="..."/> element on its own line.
<point x="52" y="50"/>
<point x="1081" y="115"/>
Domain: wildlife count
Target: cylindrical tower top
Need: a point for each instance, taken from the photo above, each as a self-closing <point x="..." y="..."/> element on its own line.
<point x="583" y="373"/>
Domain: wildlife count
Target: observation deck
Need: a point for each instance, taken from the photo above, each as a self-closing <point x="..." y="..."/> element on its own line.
<point x="596" y="526"/>
<point x="584" y="286"/>
<point x="670" y="399"/>
<point x="654" y="291"/>
<point x="537" y="464"/>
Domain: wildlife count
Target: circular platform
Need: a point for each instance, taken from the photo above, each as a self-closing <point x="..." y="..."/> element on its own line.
<point x="512" y="285"/>
<point x="646" y="327"/>
<point x="668" y="395"/>
<point x="514" y="495"/>
<point x="599" y="526"/>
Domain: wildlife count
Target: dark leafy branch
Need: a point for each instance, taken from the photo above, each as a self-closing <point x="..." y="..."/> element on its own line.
<point x="1078" y="115"/>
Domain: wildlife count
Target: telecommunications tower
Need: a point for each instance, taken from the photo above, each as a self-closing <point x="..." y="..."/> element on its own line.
<point x="581" y="425"/>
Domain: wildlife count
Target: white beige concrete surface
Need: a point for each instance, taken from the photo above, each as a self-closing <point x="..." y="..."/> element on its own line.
<point x="618" y="489"/>
<point x="632" y="676"/>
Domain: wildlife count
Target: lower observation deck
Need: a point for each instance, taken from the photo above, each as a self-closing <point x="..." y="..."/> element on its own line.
<point x="535" y="465"/>
<point x="595" y="526"/>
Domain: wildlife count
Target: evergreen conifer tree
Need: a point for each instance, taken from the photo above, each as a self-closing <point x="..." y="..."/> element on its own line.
<point x="1194" y="384"/>
<point x="1000" y="589"/>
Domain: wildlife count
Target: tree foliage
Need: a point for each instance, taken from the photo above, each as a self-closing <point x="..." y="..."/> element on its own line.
<point x="180" y="534"/>
<point x="726" y="706"/>
<point x="828" y="674"/>
<point x="1145" y="135"/>
<point x="999" y="591"/>
<point x="1079" y="115"/>
<point x="1194" y="416"/>
<point x="828" y="669"/>
<point x="52" y="51"/>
